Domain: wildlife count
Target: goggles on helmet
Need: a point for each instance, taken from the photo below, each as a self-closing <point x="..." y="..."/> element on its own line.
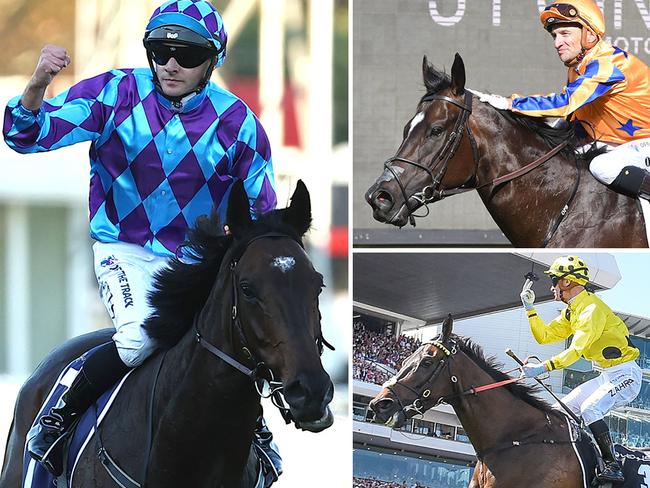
<point x="185" y="56"/>
<point x="565" y="12"/>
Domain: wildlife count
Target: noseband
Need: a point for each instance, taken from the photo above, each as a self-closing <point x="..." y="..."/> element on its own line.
<point x="426" y="393"/>
<point x="432" y="192"/>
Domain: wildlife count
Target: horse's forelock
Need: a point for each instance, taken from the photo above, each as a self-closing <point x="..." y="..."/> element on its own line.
<point x="435" y="80"/>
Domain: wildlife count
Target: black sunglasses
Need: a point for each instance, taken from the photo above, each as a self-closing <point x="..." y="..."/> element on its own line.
<point x="554" y="280"/>
<point x="187" y="57"/>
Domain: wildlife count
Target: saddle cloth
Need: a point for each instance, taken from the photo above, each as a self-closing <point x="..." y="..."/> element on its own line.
<point x="636" y="467"/>
<point x="35" y="475"/>
<point x="635" y="463"/>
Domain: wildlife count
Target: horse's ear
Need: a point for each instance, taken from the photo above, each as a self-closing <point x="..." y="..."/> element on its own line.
<point x="239" y="212"/>
<point x="428" y="73"/>
<point x="458" y="76"/>
<point x="447" y="325"/>
<point x="298" y="213"/>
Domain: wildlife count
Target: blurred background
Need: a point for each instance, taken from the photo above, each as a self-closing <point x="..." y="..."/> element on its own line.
<point x="288" y="60"/>
<point x="505" y="51"/>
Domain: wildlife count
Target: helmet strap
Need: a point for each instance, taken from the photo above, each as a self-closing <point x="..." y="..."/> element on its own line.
<point x="585" y="47"/>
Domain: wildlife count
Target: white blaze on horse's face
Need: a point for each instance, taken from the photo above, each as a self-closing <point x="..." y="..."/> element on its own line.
<point x="419" y="117"/>
<point x="285" y="263"/>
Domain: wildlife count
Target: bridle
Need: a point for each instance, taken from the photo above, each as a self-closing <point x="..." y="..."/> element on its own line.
<point x="449" y="351"/>
<point x="432" y="192"/>
<point x="260" y="374"/>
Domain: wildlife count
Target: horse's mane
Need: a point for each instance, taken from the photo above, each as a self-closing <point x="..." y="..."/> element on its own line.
<point x="181" y="289"/>
<point x="436" y="81"/>
<point x="528" y="394"/>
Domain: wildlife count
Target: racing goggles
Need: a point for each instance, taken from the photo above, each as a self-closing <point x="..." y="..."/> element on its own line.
<point x="555" y="280"/>
<point x="185" y="56"/>
<point x="564" y="12"/>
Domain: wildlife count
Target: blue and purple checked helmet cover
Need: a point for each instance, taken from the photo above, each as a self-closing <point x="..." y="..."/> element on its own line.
<point x="197" y="15"/>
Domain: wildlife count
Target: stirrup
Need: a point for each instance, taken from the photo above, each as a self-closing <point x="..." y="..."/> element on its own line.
<point x="611" y="473"/>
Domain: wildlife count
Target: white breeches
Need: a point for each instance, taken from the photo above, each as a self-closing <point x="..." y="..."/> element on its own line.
<point x="125" y="276"/>
<point x="614" y="387"/>
<point x="606" y="167"/>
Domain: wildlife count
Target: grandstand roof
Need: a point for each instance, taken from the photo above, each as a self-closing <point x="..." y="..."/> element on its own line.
<point x="428" y="286"/>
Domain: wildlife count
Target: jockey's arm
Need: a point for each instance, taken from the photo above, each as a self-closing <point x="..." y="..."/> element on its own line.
<point x="588" y="328"/>
<point x="599" y="78"/>
<point x="556" y="330"/>
<point x="76" y="115"/>
<point x="250" y="159"/>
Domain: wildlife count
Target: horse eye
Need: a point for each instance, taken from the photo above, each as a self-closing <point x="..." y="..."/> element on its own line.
<point x="247" y="290"/>
<point x="436" y="131"/>
<point x="427" y="362"/>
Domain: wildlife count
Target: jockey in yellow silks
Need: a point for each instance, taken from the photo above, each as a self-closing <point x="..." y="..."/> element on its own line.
<point x="607" y="92"/>
<point x="600" y="336"/>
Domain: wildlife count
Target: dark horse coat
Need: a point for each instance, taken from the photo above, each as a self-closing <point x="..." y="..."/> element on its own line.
<point x="204" y="410"/>
<point x="530" y="209"/>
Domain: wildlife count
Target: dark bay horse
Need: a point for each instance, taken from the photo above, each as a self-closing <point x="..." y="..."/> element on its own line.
<point x="455" y="143"/>
<point x="446" y="370"/>
<point x="251" y="295"/>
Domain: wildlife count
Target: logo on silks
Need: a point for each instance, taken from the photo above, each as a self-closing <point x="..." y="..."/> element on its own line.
<point x="108" y="262"/>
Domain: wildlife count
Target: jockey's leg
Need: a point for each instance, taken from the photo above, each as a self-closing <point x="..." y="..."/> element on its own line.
<point x="612" y="469"/>
<point x="101" y="369"/>
<point x="625" y="168"/>
<point x="125" y="274"/>
<point x="619" y="386"/>
<point x="267" y="451"/>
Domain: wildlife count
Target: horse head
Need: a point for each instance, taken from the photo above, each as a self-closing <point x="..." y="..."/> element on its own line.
<point x="437" y="152"/>
<point x="423" y="381"/>
<point x="275" y="290"/>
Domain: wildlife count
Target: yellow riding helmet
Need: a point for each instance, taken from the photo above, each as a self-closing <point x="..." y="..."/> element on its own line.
<point x="570" y="267"/>
<point x="584" y="12"/>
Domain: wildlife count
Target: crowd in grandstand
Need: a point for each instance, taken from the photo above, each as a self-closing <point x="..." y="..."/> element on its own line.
<point x="372" y="483"/>
<point x="386" y="349"/>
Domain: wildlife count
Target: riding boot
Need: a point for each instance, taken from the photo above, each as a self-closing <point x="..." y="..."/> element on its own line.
<point x="633" y="182"/>
<point x="644" y="191"/>
<point x="267" y="451"/>
<point x="101" y="369"/>
<point x="612" y="469"/>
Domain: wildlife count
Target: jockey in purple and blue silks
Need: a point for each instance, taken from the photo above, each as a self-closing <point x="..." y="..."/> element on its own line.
<point x="166" y="145"/>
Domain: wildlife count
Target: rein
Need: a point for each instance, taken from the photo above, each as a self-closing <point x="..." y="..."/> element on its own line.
<point x="449" y="353"/>
<point x="433" y="193"/>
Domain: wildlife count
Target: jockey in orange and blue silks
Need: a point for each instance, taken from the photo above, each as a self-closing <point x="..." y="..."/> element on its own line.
<point x="598" y="335"/>
<point x="607" y="93"/>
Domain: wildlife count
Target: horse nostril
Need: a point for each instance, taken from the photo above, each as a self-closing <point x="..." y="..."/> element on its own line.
<point x="383" y="405"/>
<point x="383" y="200"/>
